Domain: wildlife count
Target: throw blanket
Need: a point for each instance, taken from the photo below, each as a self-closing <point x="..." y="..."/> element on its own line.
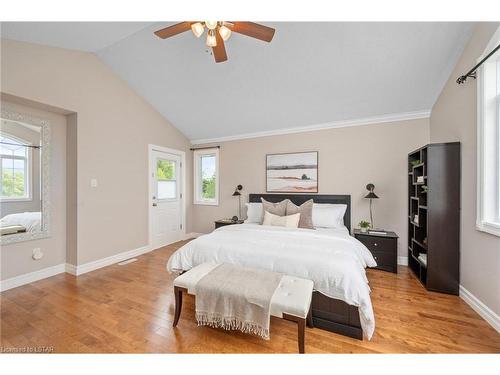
<point x="233" y="297"/>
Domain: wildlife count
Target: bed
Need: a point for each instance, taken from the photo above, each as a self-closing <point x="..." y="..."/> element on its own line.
<point x="333" y="259"/>
<point x="21" y="222"/>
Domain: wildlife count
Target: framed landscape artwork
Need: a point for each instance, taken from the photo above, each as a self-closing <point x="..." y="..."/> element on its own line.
<point x="292" y="173"/>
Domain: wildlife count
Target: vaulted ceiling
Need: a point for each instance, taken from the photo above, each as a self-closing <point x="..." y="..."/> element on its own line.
<point x="310" y="74"/>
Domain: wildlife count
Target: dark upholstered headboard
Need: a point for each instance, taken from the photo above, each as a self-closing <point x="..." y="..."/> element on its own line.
<point x="298" y="199"/>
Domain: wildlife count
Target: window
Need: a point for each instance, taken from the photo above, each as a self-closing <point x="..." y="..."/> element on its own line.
<point x="166" y="176"/>
<point x="488" y="184"/>
<point x="14" y="168"/>
<point x="206" y="176"/>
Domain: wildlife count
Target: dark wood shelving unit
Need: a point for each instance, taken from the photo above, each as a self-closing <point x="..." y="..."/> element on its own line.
<point x="434" y="215"/>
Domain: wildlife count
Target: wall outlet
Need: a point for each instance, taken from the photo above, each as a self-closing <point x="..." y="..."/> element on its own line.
<point x="93" y="182"/>
<point x="37" y="253"/>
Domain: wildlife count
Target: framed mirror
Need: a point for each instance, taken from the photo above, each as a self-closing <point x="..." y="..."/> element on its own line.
<point x="24" y="177"/>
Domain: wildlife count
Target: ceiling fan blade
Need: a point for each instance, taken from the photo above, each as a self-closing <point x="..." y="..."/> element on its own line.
<point x="178" y="28"/>
<point x="219" y="50"/>
<point x="253" y="30"/>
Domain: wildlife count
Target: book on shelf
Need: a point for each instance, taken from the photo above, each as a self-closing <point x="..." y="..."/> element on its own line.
<point x="423" y="258"/>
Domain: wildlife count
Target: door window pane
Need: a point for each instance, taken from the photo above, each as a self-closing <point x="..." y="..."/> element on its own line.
<point x="166" y="179"/>
<point x="167" y="189"/>
<point x="165" y="170"/>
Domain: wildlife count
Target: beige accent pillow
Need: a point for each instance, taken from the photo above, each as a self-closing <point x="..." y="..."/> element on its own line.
<point x="291" y="221"/>
<point x="275" y="208"/>
<point x="305" y="211"/>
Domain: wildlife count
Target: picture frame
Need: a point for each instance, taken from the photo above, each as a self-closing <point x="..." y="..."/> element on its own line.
<point x="293" y="172"/>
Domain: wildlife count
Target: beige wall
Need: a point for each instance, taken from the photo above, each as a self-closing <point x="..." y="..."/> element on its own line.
<point x="16" y="258"/>
<point x="453" y="118"/>
<point x="349" y="158"/>
<point x="114" y="128"/>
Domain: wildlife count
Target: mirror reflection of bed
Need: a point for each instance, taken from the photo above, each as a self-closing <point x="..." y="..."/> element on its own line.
<point x="20" y="172"/>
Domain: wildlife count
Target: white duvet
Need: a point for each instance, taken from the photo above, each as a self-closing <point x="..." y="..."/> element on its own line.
<point x="332" y="259"/>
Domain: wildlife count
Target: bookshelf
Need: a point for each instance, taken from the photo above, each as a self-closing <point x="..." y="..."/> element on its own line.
<point x="434" y="216"/>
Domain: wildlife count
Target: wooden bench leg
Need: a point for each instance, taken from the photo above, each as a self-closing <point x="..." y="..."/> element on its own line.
<point x="178" y="303"/>
<point x="301" y="330"/>
<point x="301" y="324"/>
<point x="310" y="323"/>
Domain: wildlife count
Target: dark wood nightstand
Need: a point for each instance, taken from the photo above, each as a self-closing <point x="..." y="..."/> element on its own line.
<point x="384" y="248"/>
<point x="224" y="222"/>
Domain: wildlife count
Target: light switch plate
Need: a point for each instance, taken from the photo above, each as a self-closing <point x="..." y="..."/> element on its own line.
<point x="93" y="182"/>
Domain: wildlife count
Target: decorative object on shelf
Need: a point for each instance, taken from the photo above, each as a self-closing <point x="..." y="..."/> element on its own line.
<point x="423" y="258"/>
<point x="364" y="225"/>
<point x="238" y="194"/>
<point x="420" y="179"/>
<point x="218" y="32"/>
<point x="416" y="162"/>
<point x="415" y="219"/>
<point x="371" y="195"/>
<point x="425" y="189"/>
<point x="292" y="172"/>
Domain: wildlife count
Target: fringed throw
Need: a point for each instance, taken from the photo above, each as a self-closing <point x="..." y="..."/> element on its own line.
<point x="236" y="298"/>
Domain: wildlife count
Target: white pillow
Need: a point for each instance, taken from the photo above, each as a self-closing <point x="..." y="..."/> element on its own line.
<point x="254" y="213"/>
<point x="326" y="215"/>
<point x="290" y="221"/>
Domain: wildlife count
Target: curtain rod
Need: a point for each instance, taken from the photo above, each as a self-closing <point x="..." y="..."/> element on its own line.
<point x="204" y="148"/>
<point x="15" y="144"/>
<point x="472" y="72"/>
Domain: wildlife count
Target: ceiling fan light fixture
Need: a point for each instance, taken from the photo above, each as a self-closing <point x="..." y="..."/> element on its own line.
<point x="211" y="24"/>
<point x="225" y="32"/>
<point x="197" y="29"/>
<point x="211" y="40"/>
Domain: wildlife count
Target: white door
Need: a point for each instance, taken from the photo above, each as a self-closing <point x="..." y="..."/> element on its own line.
<point x="166" y="198"/>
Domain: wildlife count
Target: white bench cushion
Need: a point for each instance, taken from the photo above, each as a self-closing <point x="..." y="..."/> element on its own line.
<point x="293" y="295"/>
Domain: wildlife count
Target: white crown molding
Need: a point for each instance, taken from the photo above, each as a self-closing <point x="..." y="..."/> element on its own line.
<point x="329" y="125"/>
<point x="104" y="262"/>
<point x="31" y="277"/>
<point x="484" y="311"/>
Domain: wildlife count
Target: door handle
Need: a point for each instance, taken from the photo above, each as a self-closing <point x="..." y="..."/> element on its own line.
<point x="154" y="205"/>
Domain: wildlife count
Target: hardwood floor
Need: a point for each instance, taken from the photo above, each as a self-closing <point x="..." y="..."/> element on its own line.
<point x="130" y="309"/>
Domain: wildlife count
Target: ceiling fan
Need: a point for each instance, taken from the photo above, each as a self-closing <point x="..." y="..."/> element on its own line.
<point x="218" y="32"/>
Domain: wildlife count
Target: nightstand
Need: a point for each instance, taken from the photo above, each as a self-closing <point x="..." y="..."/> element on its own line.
<point x="384" y="248"/>
<point x="224" y="222"/>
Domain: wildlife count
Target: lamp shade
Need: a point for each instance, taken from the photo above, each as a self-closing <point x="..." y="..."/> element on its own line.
<point x="371" y="195"/>
<point x="237" y="190"/>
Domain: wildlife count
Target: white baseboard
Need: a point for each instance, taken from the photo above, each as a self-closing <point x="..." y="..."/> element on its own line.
<point x="31" y="277"/>
<point x="484" y="311"/>
<point x="402" y="261"/>
<point x="70" y="268"/>
<point x="192" y="235"/>
<point x="92" y="266"/>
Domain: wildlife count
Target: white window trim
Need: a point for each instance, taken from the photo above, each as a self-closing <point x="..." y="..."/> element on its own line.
<point x="196" y="167"/>
<point x="28" y="171"/>
<point x="485" y="222"/>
